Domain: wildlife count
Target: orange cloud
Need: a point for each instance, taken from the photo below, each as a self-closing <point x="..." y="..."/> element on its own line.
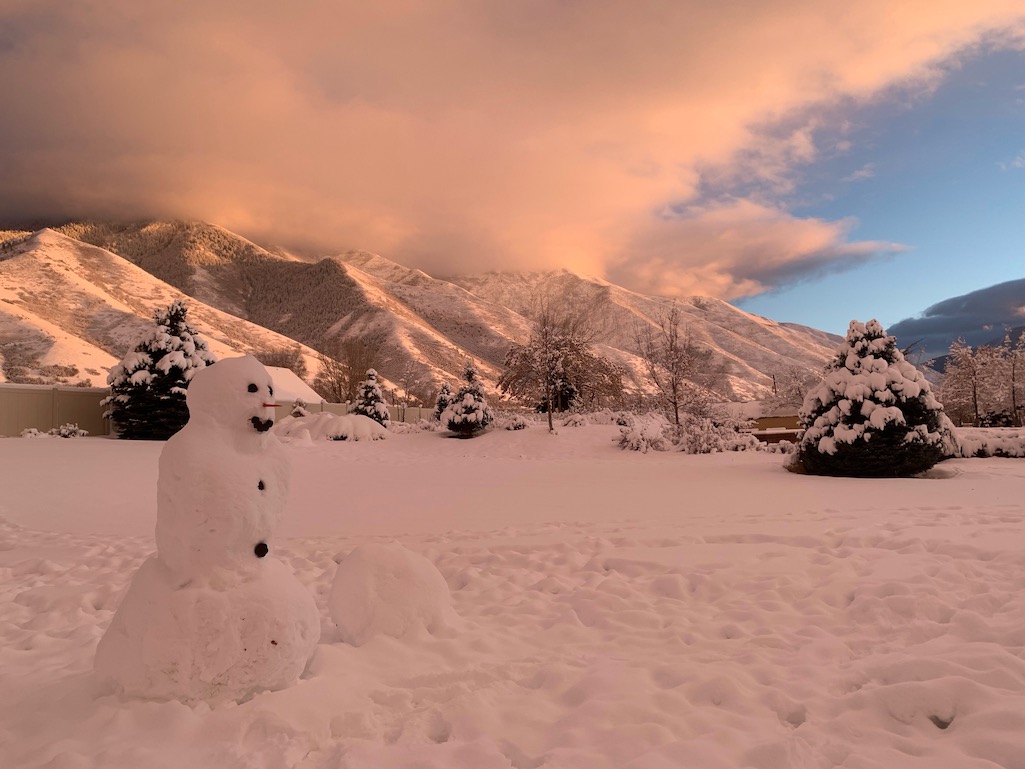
<point x="737" y="249"/>
<point x="461" y="136"/>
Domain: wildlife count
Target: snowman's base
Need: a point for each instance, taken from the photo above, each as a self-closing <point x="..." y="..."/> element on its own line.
<point x="199" y="643"/>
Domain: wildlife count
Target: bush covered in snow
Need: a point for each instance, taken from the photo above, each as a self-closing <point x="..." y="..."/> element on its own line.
<point x="644" y="433"/>
<point x="31" y="432"/>
<point x="517" y="422"/>
<point x="333" y="427"/>
<point x="299" y="408"/>
<point x="469" y="412"/>
<point x="444" y="399"/>
<point x="873" y="415"/>
<point x="69" y="430"/>
<point x="370" y="400"/>
<point x="694" y="435"/>
<point x="703" y="435"/>
<point x="419" y="426"/>
<point x="147" y="388"/>
<point x="575" y="420"/>
<point x="989" y="442"/>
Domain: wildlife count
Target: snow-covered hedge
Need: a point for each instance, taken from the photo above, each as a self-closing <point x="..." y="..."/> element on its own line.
<point x="515" y="422"/>
<point x="645" y="433"/>
<point x="989" y="442"/>
<point x="67" y="430"/>
<point x="333" y="427"/>
<point x="694" y="435"/>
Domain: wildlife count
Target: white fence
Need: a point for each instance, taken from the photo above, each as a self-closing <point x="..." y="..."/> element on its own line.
<point x="45" y="407"/>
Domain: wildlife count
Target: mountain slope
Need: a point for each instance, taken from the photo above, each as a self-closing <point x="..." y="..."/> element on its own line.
<point x="250" y="297"/>
<point x="69" y="305"/>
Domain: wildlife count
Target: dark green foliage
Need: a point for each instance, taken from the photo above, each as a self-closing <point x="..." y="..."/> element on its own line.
<point x="370" y="401"/>
<point x="147" y="388"/>
<point x="444" y="398"/>
<point x="873" y="415"/>
<point x="469" y="412"/>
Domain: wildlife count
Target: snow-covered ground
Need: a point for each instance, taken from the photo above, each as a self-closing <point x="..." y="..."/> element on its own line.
<point x="614" y="609"/>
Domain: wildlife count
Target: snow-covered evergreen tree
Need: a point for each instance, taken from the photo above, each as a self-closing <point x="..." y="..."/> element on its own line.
<point x="147" y="388"/>
<point x="370" y="400"/>
<point x="444" y="398"/>
<point x="469" y="412"/>
<point x="873" y="414"/>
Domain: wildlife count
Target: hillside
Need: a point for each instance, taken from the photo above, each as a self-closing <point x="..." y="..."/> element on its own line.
<point x="69" y="311"/>
<point x="111" y="277"/>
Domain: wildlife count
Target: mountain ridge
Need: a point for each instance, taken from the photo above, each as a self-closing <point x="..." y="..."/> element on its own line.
<point x="252" y="296"/>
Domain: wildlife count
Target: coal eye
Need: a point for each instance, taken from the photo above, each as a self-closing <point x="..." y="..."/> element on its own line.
<point x="253" y="388"/>
<point x="270" y="390"/>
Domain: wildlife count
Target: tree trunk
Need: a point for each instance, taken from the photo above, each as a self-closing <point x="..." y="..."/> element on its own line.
<point x="548" y="407"/>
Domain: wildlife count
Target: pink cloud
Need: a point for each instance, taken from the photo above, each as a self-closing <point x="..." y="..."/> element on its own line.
<point x="737" y="249"/>
<point x="462" y="136"/>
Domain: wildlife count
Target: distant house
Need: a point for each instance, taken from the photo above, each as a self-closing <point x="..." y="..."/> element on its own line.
<point x="769" y="426"/>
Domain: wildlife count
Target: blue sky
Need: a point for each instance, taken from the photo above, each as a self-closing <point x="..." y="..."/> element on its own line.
<point x="943" y="174"/>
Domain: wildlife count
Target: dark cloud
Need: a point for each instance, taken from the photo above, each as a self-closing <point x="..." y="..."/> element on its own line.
<point x="979" y="318"/>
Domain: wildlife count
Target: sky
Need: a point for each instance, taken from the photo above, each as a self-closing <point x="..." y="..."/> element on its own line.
<point x="810" y="162"/>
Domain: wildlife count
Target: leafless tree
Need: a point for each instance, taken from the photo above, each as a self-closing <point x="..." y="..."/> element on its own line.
<point x="415" y="384"/>
<point x="556" y="353"/>
<point x="341" y="374"/>
<point x="789" y="386"/>
<point x="332" y="380"/>
<point x="681" y="370"/>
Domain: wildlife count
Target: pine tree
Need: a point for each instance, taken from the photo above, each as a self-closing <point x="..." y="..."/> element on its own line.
<point x="147" y="388"/>
<point x="469" y="412"/>
<point x="873" y="415"/>
<point x="370" y="400"/>
<point x="444" y="398"/>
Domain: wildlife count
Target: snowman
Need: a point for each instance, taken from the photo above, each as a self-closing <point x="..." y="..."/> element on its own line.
<point x="213" y="615"/>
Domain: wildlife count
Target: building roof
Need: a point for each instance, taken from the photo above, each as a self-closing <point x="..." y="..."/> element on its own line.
<point x="288" y="386"/>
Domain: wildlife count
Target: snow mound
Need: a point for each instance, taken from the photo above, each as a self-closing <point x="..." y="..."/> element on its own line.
<point x="208" y="643"/>
<point x="332" y="427"/>
<point x="388" y="590"/>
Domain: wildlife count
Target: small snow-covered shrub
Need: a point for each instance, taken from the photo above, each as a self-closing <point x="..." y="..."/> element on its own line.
<point x="575" y="420"/>
<point x="468" y="413"/>
<point x="444" y="399"/>
<point x="333" y="427"/>
<point x="69" y="430"/>
<point x="419" y="426"/>
<point x="644" y="434"/>
<point x="517" y="422"/>
<point x="702" y="435"/>
<point x="780" y="447"/>
<point x="980" y="442"/>
<point x="299" y="408"/>
<point x="31" y="432"/>
<point x="370" y="401"/>
<point x="609" y="417"/>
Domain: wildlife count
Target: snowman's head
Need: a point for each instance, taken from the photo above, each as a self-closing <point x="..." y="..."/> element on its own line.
<point x="234" y="393"/>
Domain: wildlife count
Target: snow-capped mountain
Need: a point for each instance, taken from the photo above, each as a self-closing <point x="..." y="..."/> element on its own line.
<point x="78" y="296"/>
<point x="69" y="311"/>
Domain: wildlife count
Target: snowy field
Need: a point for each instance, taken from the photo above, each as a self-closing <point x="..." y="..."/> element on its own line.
<point x="615" y="610"/>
